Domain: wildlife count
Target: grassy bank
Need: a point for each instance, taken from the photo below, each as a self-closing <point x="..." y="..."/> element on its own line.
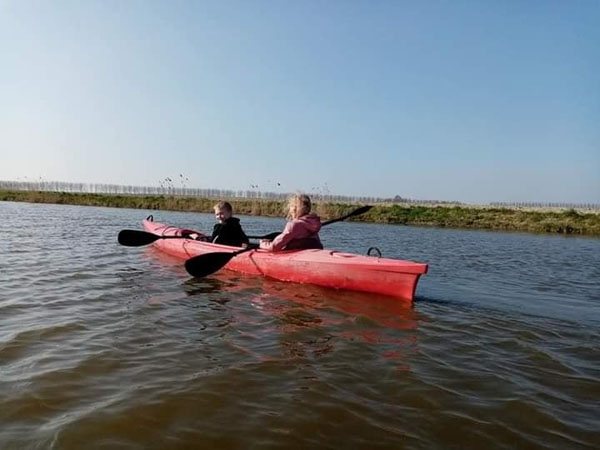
<point x="565" y="222"/>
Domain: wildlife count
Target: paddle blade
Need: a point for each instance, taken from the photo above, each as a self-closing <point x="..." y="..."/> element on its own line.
<point x="206" y="264"/>
<point x="268" y="237"/>
<point x="356" y="212"/>
<point x="136" y="238"/>
<point x="360" y="211"/>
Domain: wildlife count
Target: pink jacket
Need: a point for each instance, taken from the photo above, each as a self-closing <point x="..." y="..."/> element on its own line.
<point x="298" y="233"/>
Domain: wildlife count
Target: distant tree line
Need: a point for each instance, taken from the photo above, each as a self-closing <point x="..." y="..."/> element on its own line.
<point x="167" y="188"/>
<point x="545" y="205"/>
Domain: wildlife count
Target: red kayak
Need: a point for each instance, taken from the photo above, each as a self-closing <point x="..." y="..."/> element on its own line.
<point x="328" y="268"/>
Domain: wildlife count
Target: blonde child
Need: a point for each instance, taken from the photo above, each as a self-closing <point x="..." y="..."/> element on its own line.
<point x="302" y="230"/>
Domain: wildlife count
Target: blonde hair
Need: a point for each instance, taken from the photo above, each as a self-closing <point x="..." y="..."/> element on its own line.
<point x="298" y="205"/>
<point x="226" y="206"/>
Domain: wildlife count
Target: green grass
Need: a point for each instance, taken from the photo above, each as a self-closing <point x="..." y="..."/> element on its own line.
<point x="537" y="221"/>
<point x="567" y="222"/>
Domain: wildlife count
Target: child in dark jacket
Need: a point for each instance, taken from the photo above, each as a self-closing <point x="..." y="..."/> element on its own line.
<point x="228" y="230"/>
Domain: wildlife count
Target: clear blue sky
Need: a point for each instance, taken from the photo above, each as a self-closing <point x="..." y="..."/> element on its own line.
<point x="454" y="100"/>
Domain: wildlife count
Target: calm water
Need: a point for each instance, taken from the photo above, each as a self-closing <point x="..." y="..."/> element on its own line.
<point x="105" y="347"/>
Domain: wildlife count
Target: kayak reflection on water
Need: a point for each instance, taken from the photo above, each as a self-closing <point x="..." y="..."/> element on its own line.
<point x="384" y="311"/>
<point x="382" y="322"/>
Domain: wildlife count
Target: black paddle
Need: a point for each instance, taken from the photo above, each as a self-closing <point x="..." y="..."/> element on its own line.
<point x="356" y="212"/>
<point x="203" y="265"/>
<point x="137" y="238"/>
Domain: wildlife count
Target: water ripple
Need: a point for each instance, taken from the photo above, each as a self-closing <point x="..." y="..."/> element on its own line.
<point x="116" y="347"/>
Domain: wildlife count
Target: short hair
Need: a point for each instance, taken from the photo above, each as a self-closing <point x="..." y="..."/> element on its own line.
<point x="300" y="203"/>
<point x="224" y="205"/>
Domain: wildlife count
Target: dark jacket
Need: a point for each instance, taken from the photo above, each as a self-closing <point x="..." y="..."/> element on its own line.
<point x="229" y="233"/>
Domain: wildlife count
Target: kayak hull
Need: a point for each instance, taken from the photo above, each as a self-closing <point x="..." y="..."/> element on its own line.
<point x="327" y="268"/>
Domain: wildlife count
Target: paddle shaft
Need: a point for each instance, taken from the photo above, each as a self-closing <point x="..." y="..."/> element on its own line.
<point x="356" y="212"/>
<point x="244" y="250"/>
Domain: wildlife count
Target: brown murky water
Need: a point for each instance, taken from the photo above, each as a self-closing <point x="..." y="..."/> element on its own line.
<point x="106" y="347"/>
